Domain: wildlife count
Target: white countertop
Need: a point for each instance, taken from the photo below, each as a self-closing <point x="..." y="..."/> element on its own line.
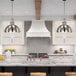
<point x="52" y="61"/>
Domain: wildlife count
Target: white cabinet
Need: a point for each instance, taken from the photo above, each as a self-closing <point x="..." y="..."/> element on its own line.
<point x="12" y="38"/>
<point x="63" y="37"/>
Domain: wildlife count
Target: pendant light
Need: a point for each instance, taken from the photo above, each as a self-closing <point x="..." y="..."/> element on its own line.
<point x="12" y="27"/>
<point x="64" y="27"/>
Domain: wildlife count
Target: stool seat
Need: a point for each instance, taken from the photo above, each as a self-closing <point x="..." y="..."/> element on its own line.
<point x="5" y="74"/>
<point x="37" y="74"/>
<point x="70" y="73"/>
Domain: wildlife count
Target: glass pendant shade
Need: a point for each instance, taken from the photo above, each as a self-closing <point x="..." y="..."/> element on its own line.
<point x="64" y="27"/>
<point x="12" y="27"/>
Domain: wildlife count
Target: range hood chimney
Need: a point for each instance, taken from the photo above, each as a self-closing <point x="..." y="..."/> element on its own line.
<point x="38" y="29"/>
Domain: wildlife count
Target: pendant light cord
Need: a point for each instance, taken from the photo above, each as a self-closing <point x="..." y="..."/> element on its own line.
<point x="12" y="9"/>
<point x="12" y="27"/>
<point x="64" y="10"/>
<point x="64" y="27"/>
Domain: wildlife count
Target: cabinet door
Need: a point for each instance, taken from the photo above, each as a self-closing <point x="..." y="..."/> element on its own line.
<point x="12" y="38"/>
<point x="18" y="41"/>
<point x="59" y="71"/>
<point x="63" y="37"/>
<point x="66" y="40"/>
<point x="58" y="40"/>
<point x="69" y="41"/>
<point x="17" y="71"/>
<point x="6" y="41"/>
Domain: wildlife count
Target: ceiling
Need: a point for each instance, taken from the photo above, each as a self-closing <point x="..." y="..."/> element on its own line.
<point x="27" y="8"/>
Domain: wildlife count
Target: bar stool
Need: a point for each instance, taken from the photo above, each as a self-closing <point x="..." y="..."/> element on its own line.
<point x="70" y="73"/>
<point x="37" y="74"/>
<point x="6" y="74"/>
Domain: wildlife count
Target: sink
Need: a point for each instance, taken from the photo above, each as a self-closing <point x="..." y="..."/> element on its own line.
<point x="38" y="61"/>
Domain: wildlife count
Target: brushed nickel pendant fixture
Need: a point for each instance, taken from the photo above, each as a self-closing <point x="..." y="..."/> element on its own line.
<point x="64" y="27"/>
<point x="12" y="27"/>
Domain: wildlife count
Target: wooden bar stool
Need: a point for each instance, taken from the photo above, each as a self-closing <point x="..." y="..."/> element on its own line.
<point x="70" y="73"/>
<point x="6" y="74"/>
<point x="37" y="74"/>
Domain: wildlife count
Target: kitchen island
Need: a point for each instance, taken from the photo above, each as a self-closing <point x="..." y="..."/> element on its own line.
<point x="21" y="60"/>
<point x="54" y="66"/>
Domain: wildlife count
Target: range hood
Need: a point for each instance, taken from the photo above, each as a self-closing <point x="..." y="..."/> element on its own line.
<point x="38" y="29"/>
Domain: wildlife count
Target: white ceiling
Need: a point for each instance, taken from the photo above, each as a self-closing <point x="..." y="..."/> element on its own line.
<point x="27" y="7"/>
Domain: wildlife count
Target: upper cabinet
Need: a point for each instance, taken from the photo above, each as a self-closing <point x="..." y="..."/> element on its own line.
<point x="60" y="37"/>
<point x="12" y="38"/>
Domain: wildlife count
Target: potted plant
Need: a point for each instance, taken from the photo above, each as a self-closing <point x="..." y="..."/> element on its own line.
<point x="11" y="50"/>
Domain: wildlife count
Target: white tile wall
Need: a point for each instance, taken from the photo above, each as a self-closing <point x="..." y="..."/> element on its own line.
<point x="19" y="49"/>
<point x="40" y="45"/>
<point x="44" y="45"/>
<point x="69" y="48"/>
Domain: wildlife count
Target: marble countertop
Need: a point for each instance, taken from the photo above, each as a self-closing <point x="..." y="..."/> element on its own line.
<point x="51" y="61"/>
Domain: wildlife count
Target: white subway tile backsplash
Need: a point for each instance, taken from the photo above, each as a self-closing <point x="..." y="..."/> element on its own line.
<point x="40" y="45"/>
<point x="68" y="48"/>
<point x="19" y="49"/>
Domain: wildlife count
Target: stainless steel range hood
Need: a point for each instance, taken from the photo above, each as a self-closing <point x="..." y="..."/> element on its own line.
<point x="38" y="29"/>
